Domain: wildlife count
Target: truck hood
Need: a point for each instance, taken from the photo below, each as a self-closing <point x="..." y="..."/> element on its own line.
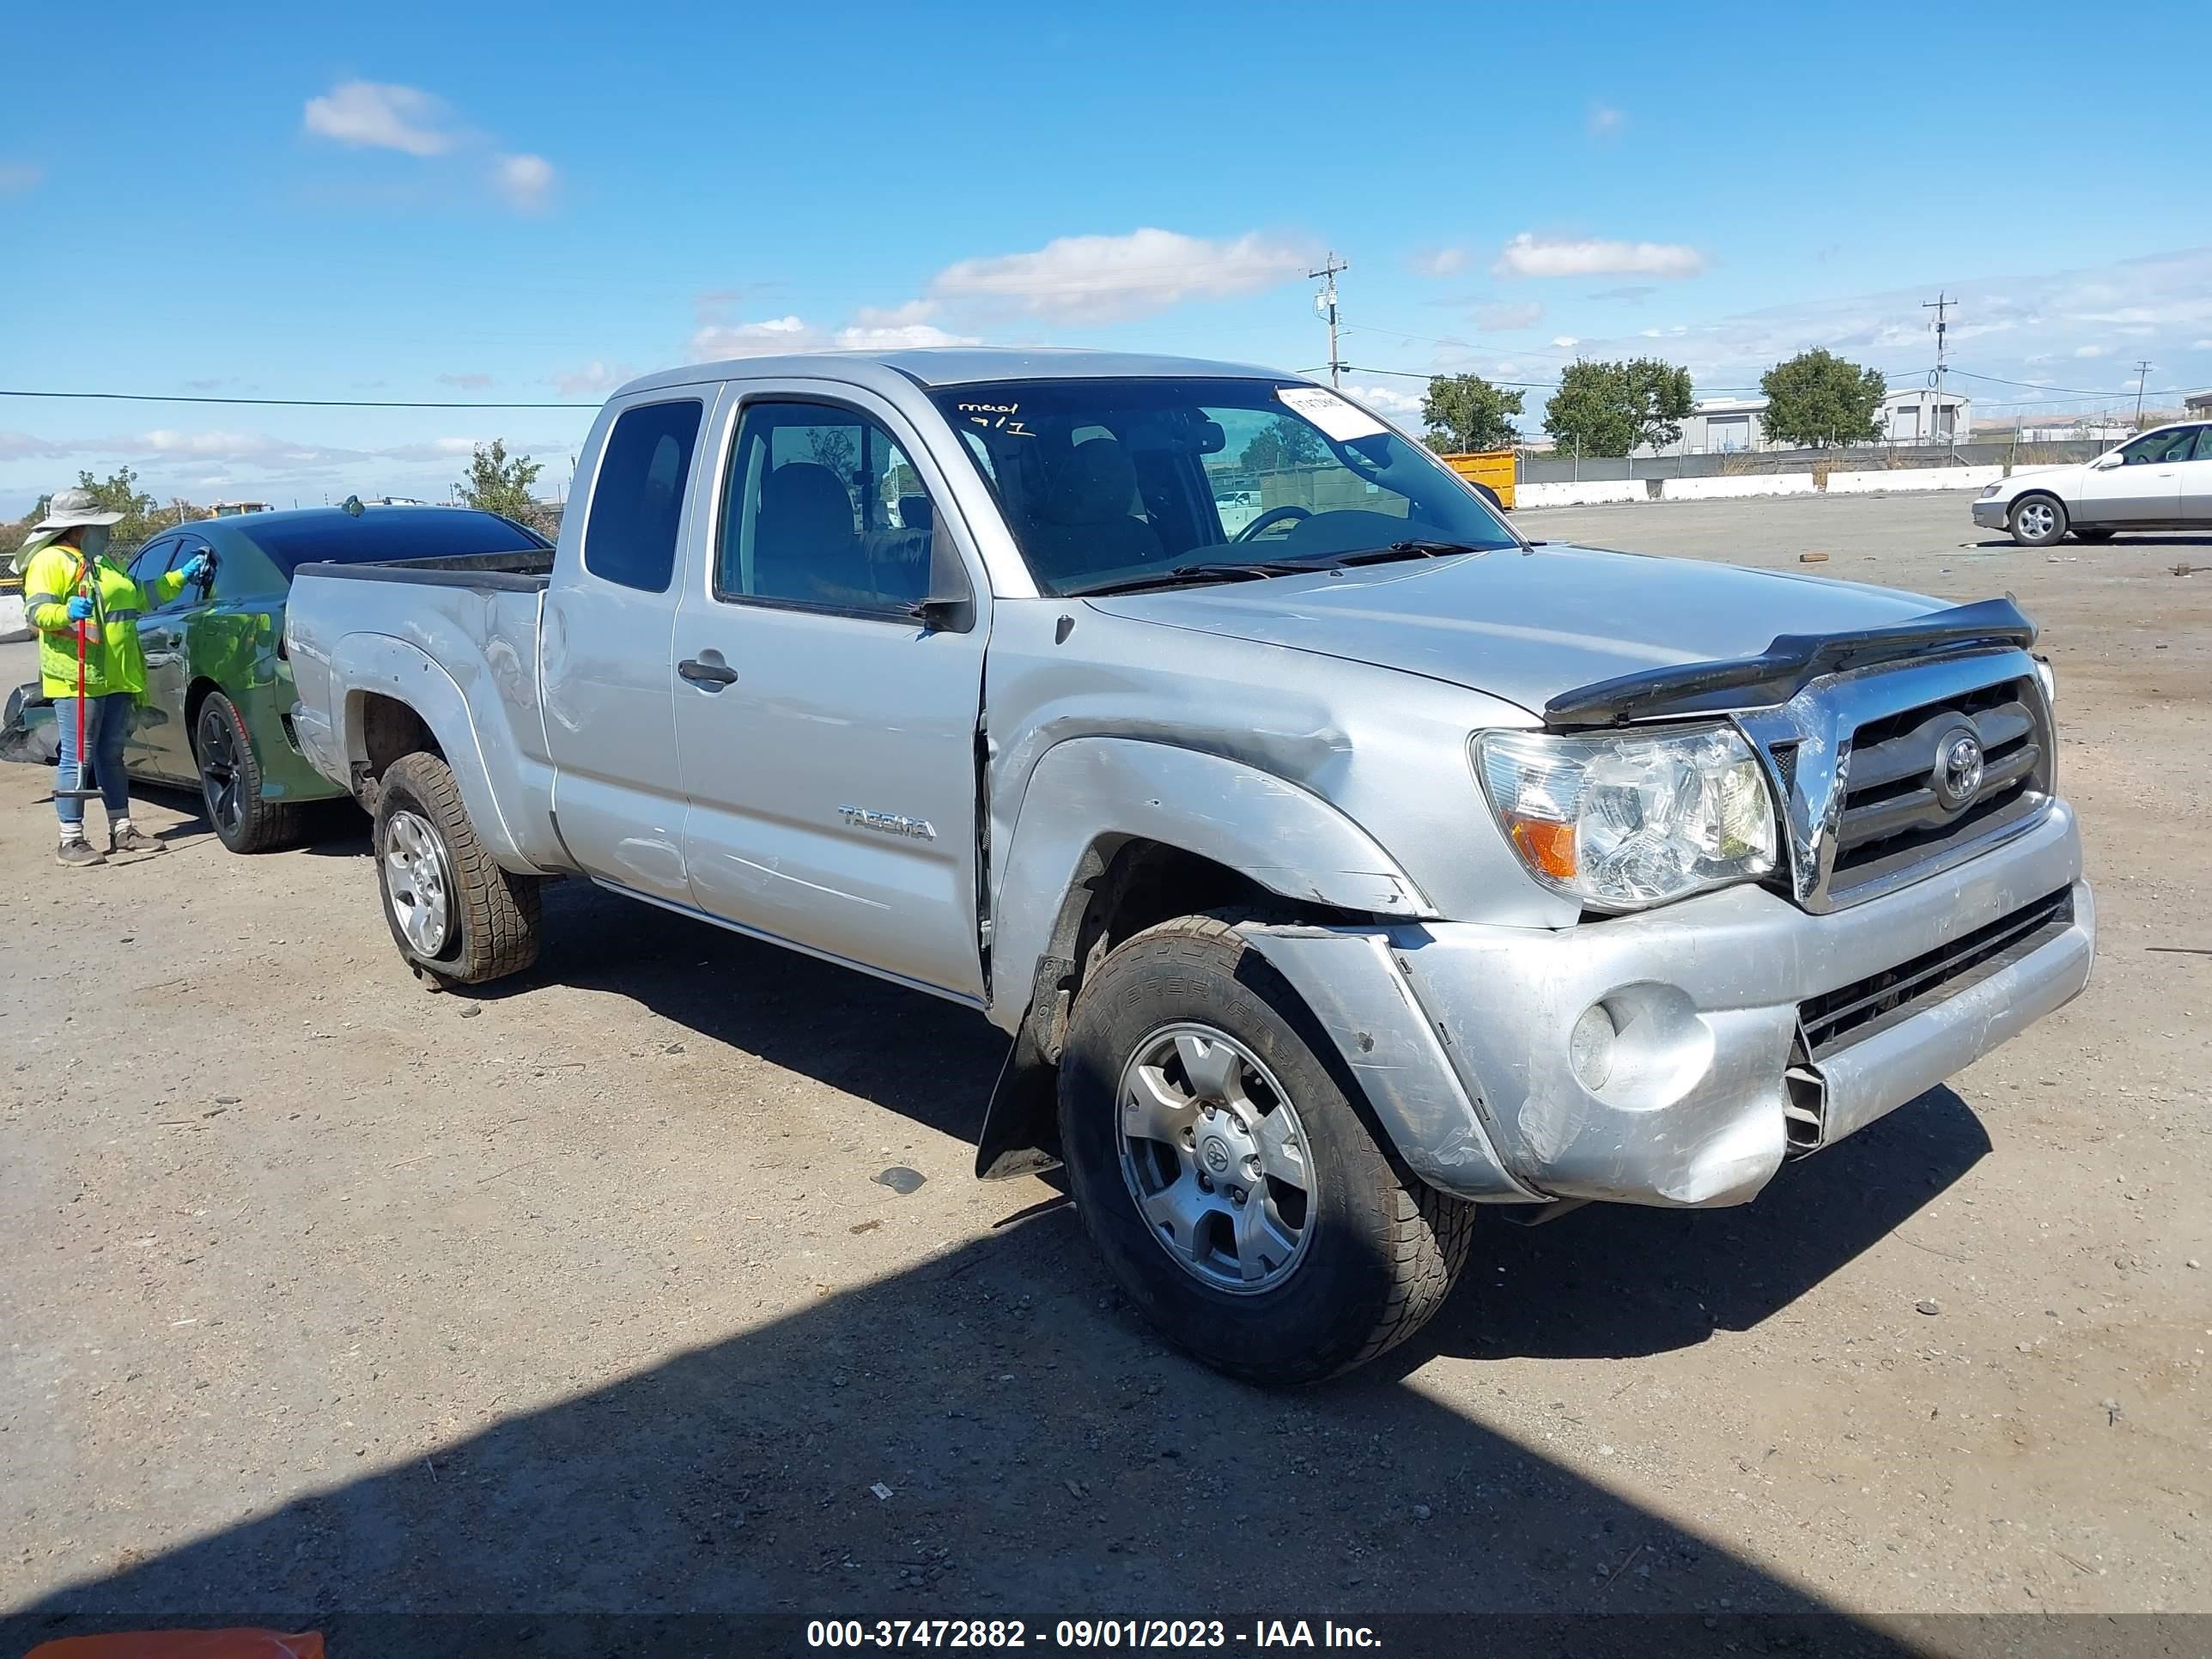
<point x="1527" y="626"/>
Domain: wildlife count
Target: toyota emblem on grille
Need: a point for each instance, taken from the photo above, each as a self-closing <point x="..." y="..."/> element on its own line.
<point x="1957" y="777"/>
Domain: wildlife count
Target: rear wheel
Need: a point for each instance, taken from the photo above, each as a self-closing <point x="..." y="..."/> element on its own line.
<point x="230" y="783"/>
<point x="1240" y="1196"/>
<point x="2038" y="521"/>
<point x="454" y="912"/>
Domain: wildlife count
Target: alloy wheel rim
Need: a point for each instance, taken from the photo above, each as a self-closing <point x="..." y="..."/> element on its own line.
<point x="1215" y="1159"/>
<point x="415" y="877"/>
<point x="2037" y="519"/>
<point x="220" y="783"/>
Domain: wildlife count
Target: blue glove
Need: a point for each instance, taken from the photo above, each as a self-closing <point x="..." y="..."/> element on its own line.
<point x="79" y="608"/>
<point x="194" y="568"/>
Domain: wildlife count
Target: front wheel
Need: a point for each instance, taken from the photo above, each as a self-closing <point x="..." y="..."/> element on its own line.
<point x="230" y="783"/>
<point x="2038" y="521"/>
<point x="454" y="912"/>
<point x="1239" y="1195"/>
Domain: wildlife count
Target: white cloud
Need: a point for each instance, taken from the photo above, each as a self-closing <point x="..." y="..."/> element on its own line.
<point x="1605" y="122"/>
<point x="379" y="116"/>
<point x="594" y="377"/>
<point x="1100" y="279"/>
<point x="1565" y="342"/>
<point x="1524" y="315"/>
<point x="466" y="382"/>
<point x="21" y="175"/>
<point x="2089" y="351"/>
<point x="904" y="336"/>
<point x="523" y="181"/>
<point x="761" y="339"/>
<point x="1528" y="255"/>
<point x="899" y="328"/>
<point x="1438" y="261"/>
<point x="1388" y="400"/>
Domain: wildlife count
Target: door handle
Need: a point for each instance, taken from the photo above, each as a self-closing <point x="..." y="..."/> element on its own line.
<point x="706" y="675"/>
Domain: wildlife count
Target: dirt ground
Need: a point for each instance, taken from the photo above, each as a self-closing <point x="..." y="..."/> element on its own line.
<point x="325" y="1295"/>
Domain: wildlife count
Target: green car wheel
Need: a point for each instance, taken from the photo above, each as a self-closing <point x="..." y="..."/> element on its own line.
<point x="230" y="783"/>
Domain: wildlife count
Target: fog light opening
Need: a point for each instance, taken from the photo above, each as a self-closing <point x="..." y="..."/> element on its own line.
<point x="1590" y="1046"/>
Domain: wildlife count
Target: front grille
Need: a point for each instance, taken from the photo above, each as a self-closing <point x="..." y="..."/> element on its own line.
<point x="1892" y="816"/>
<point x="1851" y="1014"/>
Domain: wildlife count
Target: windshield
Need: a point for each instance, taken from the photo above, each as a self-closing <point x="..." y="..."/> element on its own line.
<point x="1105" y="483"/>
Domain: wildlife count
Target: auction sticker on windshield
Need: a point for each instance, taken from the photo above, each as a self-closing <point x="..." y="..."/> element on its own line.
<point x="1337" y="418"/>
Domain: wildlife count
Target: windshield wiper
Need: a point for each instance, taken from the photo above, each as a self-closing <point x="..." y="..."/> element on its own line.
<point x="1407" y="550"/>
<point x="1193" y="575"/>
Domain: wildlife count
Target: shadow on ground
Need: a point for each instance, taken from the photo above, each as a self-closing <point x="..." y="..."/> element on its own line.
<point x="992" y="1434"/>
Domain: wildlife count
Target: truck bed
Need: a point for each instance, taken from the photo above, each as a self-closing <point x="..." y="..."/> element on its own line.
<point x="527" y="571"/>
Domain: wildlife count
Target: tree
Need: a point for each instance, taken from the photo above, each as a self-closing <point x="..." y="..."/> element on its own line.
<point x="1466" y="412"/>
<point x="1283" y="443"/>
<point x="1818" y="400"/>
<point x="500" y="483"/>
<point x="1612" y="409"/>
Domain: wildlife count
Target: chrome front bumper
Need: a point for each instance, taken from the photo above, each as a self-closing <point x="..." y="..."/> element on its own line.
<point x="1458" y="1032"/>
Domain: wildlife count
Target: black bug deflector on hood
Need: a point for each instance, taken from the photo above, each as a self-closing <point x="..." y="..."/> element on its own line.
<point x="1781" y="671"/>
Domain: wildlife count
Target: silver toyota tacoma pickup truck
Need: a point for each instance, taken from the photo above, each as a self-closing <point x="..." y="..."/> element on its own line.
<point x="1337" y="860"/>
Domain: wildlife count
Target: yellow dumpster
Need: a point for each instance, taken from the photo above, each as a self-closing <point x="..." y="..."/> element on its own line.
<point x="1491" y="469"/>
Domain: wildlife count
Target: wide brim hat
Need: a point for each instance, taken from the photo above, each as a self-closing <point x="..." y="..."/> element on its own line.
<point x="68" y="508"/>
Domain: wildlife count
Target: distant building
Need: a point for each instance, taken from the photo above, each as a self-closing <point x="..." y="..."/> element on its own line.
<point x="2198" y="406"/>
<point x="232" y="509"/>
<point x="1728" y="426"/>
<point x="1917" y="415"/>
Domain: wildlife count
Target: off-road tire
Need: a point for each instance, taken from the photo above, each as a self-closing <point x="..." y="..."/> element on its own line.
<point x="1386" y="1247"/>
<point x="2030" y="528"/>
<point x="496" y="914"/>
<point x="263" y="825"/>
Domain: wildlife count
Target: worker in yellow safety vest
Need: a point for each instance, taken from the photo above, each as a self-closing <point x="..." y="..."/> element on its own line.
<point x="86" y="608"/>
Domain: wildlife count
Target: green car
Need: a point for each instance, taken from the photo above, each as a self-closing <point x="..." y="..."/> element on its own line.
<point x="218" y="710"/>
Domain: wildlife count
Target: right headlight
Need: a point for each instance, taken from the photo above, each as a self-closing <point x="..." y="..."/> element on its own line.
<point x="1625" y="820"/>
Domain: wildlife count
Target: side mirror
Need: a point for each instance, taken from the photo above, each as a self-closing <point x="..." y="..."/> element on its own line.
<point x="2106" y="463"/>
<point x="949" y="607"/>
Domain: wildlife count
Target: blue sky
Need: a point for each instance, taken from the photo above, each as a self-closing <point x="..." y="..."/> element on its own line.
<point x="488" y="204"/>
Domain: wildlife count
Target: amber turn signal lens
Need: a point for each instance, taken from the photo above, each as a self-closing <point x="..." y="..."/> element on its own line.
<point x="1549" y="848"/>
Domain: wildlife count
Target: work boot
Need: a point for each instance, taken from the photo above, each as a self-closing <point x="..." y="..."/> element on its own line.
<point x="131" y="838"/>
<point x="82" y="853"/>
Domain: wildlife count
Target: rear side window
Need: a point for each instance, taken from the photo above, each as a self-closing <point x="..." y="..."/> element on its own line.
<point x="637" y="504"/>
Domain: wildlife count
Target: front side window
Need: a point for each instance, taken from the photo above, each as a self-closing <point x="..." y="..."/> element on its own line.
<point x="2176" y="445"/>
<point x="637" y="505"/>
<point x="823" y="508"/>
<point x="1105" y="482"/>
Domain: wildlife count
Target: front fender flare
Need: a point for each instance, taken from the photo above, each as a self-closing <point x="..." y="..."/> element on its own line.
<point x="1095" y="793"/>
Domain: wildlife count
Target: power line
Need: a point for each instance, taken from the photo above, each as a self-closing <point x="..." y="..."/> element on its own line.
<point x="276" y="403"/>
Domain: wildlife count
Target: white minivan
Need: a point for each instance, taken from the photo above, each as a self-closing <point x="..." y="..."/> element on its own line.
<point x="2160" y="480"/>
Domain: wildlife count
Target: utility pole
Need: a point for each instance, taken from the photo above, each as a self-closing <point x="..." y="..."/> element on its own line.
<point x="1325" y="305"/>
<point x="2142" y="372"/>
<point x="1941" y="305"/>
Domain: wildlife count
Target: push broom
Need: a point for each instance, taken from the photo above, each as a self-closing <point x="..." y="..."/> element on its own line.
<point x="86" y="789"/>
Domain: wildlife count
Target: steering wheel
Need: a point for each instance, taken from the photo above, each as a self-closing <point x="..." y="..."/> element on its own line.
<point x="1271" y="516"/>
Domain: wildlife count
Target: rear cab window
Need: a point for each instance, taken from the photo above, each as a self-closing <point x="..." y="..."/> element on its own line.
<point x="637" y="501"/>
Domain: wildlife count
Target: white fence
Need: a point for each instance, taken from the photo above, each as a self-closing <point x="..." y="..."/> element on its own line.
<point x="1889" y="480"/>
<point x="1596" y="493"/>
<point x="1917" y="477"/>
<point x="1729" y="490"/>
